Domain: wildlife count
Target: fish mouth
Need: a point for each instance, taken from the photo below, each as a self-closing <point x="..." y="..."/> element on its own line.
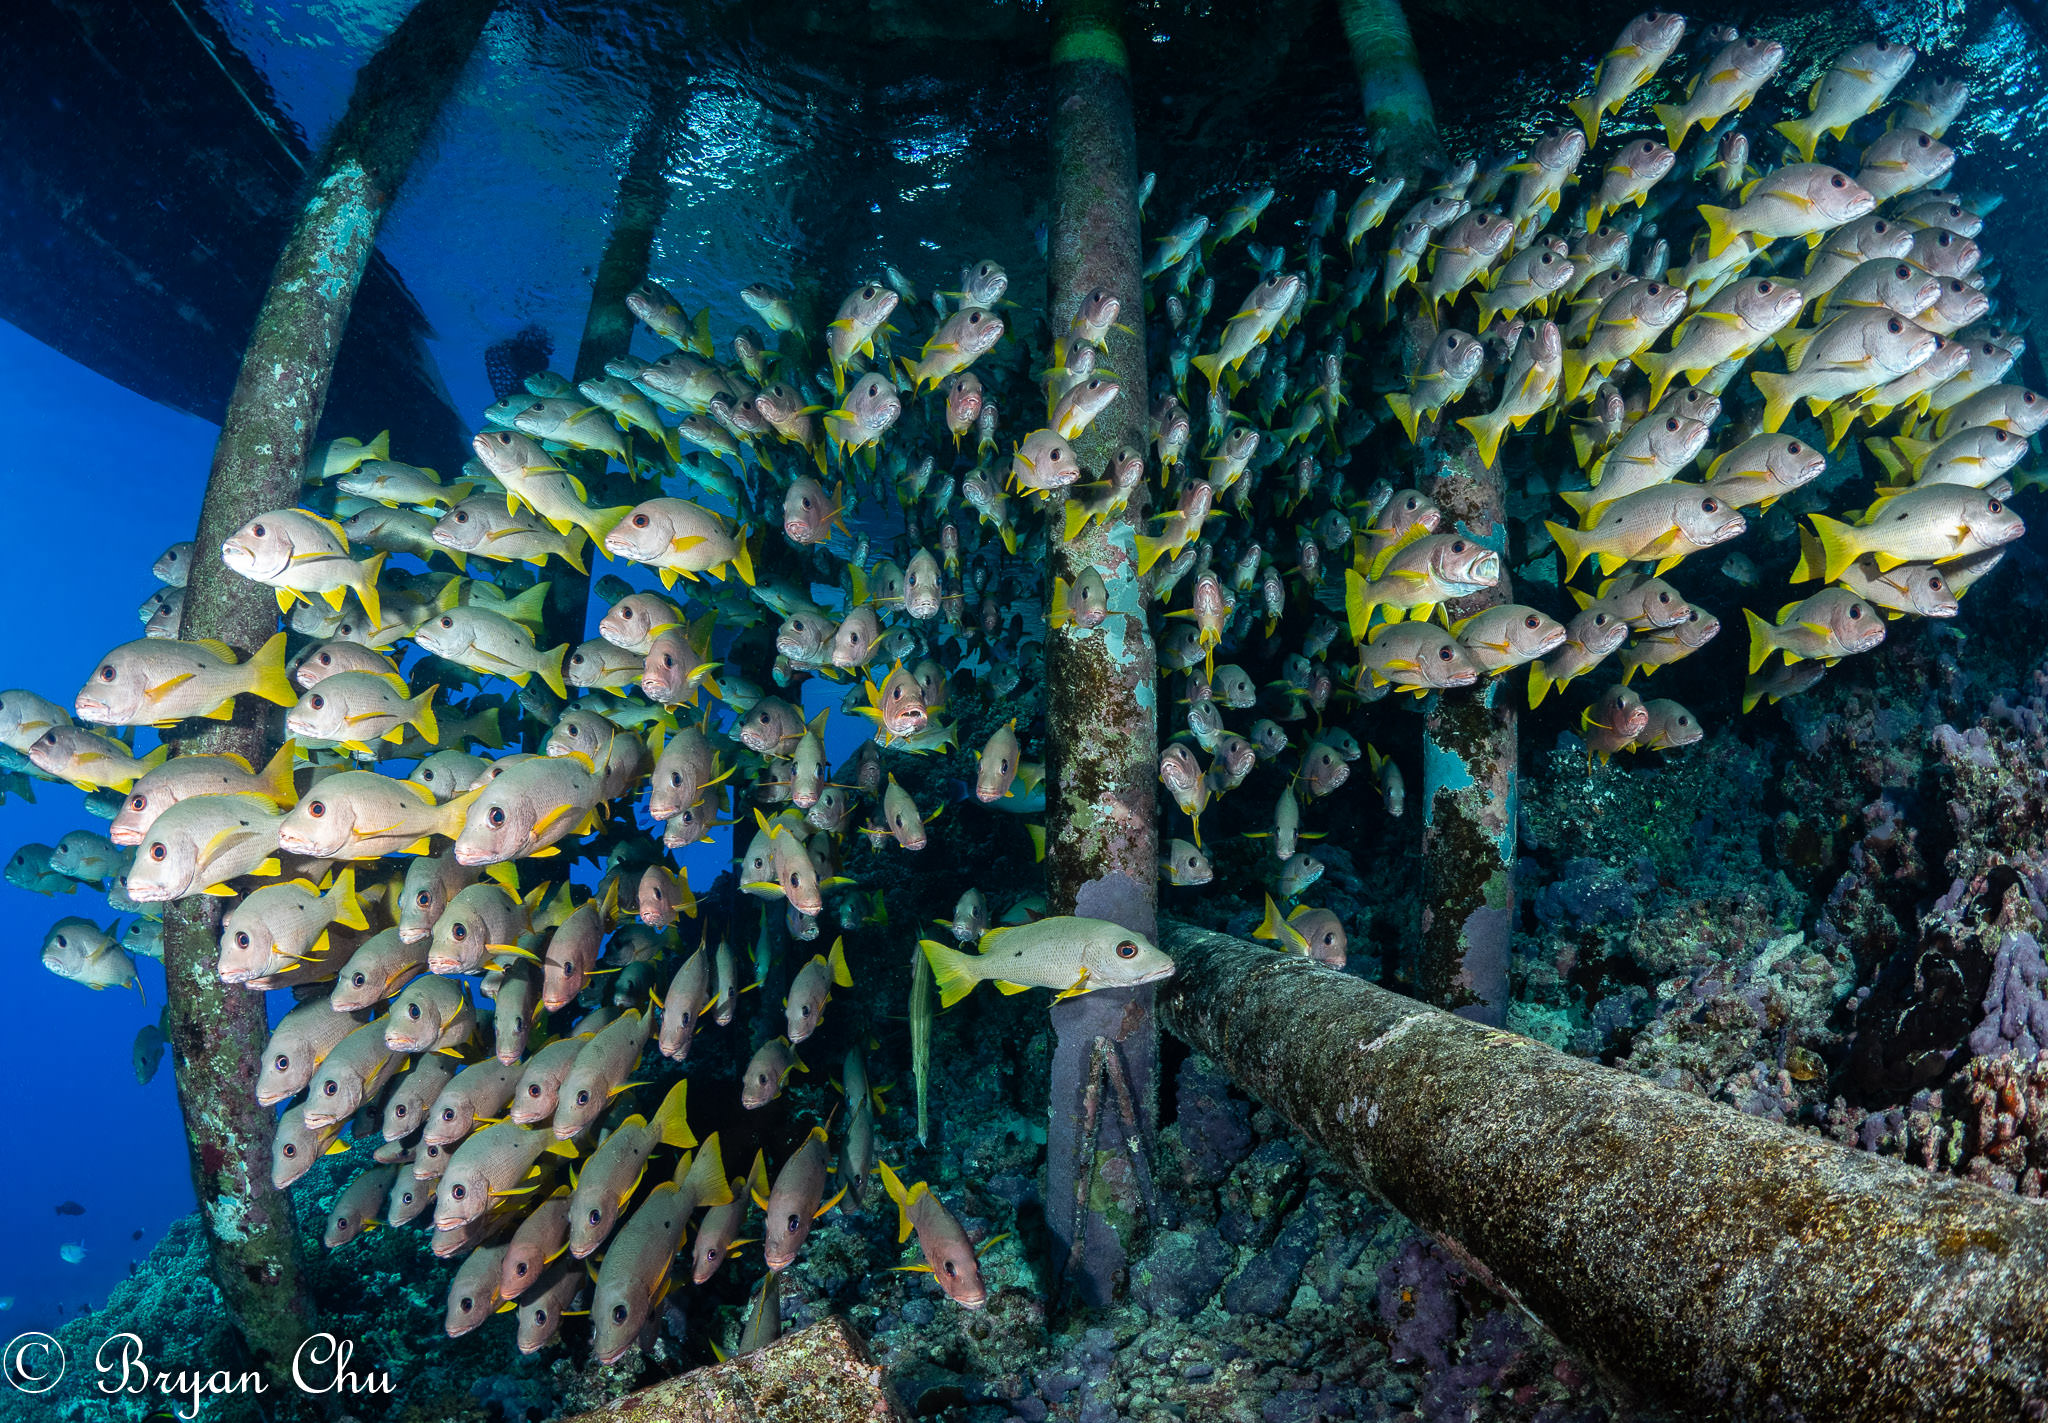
<point x="92" y="709"/>
<point x="1551" y="643"/>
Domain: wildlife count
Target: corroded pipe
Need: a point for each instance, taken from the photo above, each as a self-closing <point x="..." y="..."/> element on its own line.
<point x="217" y="1032"/>
<point x="1722" y="1265"/>
<point x="1102" y="738"/>
<point x="1398" y="113"/>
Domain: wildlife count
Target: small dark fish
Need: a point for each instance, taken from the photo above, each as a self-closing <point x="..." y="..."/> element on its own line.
<point x="70" y="1208"/>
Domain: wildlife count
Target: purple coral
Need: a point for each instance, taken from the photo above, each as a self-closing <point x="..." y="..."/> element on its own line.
<point x="2015" y="1005"/>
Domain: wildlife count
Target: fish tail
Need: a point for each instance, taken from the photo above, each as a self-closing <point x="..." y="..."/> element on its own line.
<point x="1838" y="420"/>
<point x="349" y="910"/>
<point x="671" y="1121"/>
<point x="743" y="561"/>
<point x="707" y="1170"/>
<point x="1540" y="683"/>
<point x="274" y="781"/>
<point x="1269" y="926"/>
<point x="1211" y="367"/>
<point x="1572" y="543"/>
<point x="1150" y="551"/>
<point x="1358" y="604"/>
<point x="270" y="680"/>
<point x="550" y="670"/>
<point x="1778" y="398"/>
<point x="573" y="551"/>
<point x="1572" y="376"/>
<point x="1813" y="560"/>
<point x="1661" y="368"/>
<point x="366" y="588"/>
<point x="1762" y="641"/>
<point x="1719" y="233"/>
<point x="423" y="716"/>
<point x="952" y="972"/>
<point x="700" y="334"/>
<point x="1675" y="124"/>
<point x="900" y="1194"/>
<point x="1752" y="693"/>
<point x="1404" y="411"/>
<point x="379" y="448"/>
<point x="1588" y="115"/>
<point x="487" y="730"/>
<point x="1802" y="136"/>
<point x="1838" y="545"/>
<point x="1077" y="519"/>
<point x="1486" y="432"/>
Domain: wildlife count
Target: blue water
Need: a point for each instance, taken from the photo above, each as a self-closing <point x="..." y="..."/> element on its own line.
<point x="103" y="482"/>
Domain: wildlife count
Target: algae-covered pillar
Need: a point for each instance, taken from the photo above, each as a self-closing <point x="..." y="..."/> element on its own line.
<point x="217" y="1032"/>
<point x="1469" y="768"/>
<point x="1713" y="1262"/>
<point x="1398" y="113"/>
<point x="1102" y="742"/>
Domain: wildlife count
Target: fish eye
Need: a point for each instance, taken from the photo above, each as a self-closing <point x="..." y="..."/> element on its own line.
<point x="291" y="1150"/>
<point x="1710" y="506"/>
<point x="1443" y="654"/>
<point x="532" y="1090"/>
<point x="639" y="521"/>
<point x="1838" y="181"/>
<point x="1934" y="583"/>
<point x="136" y="802"/>
<point x="107" y="673"/>
<point x="1855" y="611"/>
<point x="329" y="1087"/>
<point x="1793" y="448"/>
<point x="583" y="1098"/>
<point x="156" y="851"/>
<point x="1997" y="507"/>
<point x="315" y="808"/>
<point x="1457" y="546"/>
<point x="1532" y="622"/>
<point x="619" y="1313"/>
<point x="1599" y="620"/>
<point x="241" y="941"/>
<point x="497" y="815"/>
<point x="258" y="531"/>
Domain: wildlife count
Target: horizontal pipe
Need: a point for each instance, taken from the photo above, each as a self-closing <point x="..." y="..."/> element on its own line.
<point x="1714" y="1262"/>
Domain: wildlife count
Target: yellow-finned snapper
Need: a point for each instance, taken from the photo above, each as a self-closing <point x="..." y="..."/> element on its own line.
<point x="360" y="815"/>
<point x="527" y="809"/>
<point x="1411" y="579"/>
<point x="1926" y="523"/>
<point x="1726" y="86"/>
<point x="531" y="476"/>
<point x="1662" y="646"/>
<point x="679" y="539"/>
<point x="1589" y="639"/>
<point x="1666" y="727"/>
<point x="302" y="556"/>
<point x="1541" y="176"/>
<point x="948" y="1255"/>
<point x="862" y="316"/>
<point x="960" y="340"/>
<point x="79" y="951"/>
<point x="201" y="843"/>
<point x="1660" y="525"/>
<point x="1860" y="350"/>
<point x="1417" y="657"/>
<point x="1066" y="953"/>
<point x="1628" y="322"/>
<point x="1614" y="720"/>
<point x="865" y="417"/>
<point x="1442" y="377"/>
<point x="156" y="682"/>
<point x="607" y="1180"/>
<point x="1828" y="626"/>
<point x="494" y="638"/>
<point x="193" y="775"/>
<point x="1468" y="249"/>
<point x="1731" y="326"/>
<point x="1505" y="636"/>
<point x="1803" y="200"/>
<point x="1640" y="51"/>
<point x="1635" y="170"/>
<point x="1375" y="200"/>
<point x="1901" y="161"/>
<point x="480" y="528"/>
<point x="1861" y="79"/>
<point x="1919" y="589"/>
<point x="278" y="926"/>
<point x="1650" y="452"/>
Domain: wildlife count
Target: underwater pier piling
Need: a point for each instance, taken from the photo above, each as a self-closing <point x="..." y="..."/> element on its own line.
<point x="217" y="1031"/>
<point x="1397" y="107"/>
<point x="1470" y="765"/>
<point x="1102" y="737"/>
<point x="1717" y="1263"/>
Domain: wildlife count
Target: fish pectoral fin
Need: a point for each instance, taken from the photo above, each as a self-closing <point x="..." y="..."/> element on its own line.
<point x="913" y="1269"/>
<point x="1011" y="988"/>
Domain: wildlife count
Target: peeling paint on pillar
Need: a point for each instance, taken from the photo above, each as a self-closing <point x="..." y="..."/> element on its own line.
<point x="217" y="1032"/>
<point x="1102" y="742"/>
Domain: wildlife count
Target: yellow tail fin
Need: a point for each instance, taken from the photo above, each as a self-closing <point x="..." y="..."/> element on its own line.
<point x="423" y="716"/>
<point x="349" y="908"/>
<point x="1588" y="116"/>
<point x="1761" y="641"/>
<point x="1404" y="411"/>
<point x="366" y="589"/>
<point x="1540" y="684"/>
<point x="274" y="781"/>
<point x="672" y="1124"/>
<point x="1486" y="431"/>
<point x="1675" y="124"/>
<point x="1778" y="398"/>
<point x="270" y="681"/>
<point x="1838" y="545"/>
<point x="952" y="972"/>
<point x="1572" y="544"/>
<point x="1803" y="136"/>
<point x="1719" y="233"/>
<point x="550" y="670"/>
<point x="1813" y="561"/>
